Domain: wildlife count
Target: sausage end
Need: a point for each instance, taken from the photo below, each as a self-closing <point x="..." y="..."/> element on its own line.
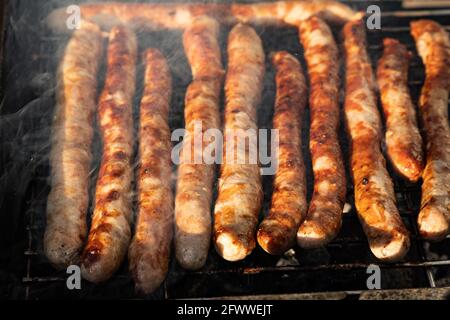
<point x="273" y="243"/>
<point x="192" y="252"/>
<point x="311" y="235"/>
<point x="432" y="223"/>
<point x="231" y="248"/>
<point x="61" y="254"/>
<point x="393" y="250"/>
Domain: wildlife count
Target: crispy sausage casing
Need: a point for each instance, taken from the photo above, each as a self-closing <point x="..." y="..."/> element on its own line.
<point x="276" y="233"/>
<point x="403" y="140"/>
<point x="157" y="16"/>
<point x="433" y="45"/>
<point x="149" y="251"/>
<point x="324" y="217"/>
<point x="70" y="156"/>
<point x="201" y="45"/>
<point x="374" y="193"/>
<point x="196" y="178"/>
<point x="110" y="230"/>
<point x="240" y="192"/>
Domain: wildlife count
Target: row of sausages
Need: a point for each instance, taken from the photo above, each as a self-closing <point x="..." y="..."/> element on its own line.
<point x="240" y="194"/>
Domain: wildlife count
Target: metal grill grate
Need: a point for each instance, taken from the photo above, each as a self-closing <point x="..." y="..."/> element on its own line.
<point x="341" y="266"/>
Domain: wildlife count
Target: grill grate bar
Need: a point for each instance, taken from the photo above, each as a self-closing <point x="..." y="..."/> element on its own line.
<point x="30" y="246"/>
<point x="416" y="13"/>
<point x="255" y="270"/>
<point x="336" y="242"/>
<point x="342" y="266"/>
<point x="399" y="29"/>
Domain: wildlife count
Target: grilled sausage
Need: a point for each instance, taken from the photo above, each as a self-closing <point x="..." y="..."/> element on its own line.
<point x="276" y="233"/>
<point x="433" y="45"/>
<point x="324" y="217"/>
<point x="70" y="156"/>
<point x="202" y="49"/>
<point x="195" y="180"/>
<point x="403" y="140"/>
<point x="180" y="15"/>
<point x="374" y="193"/>
<point x="149" y="252"/>
<point x="110" y="230"/>
<point x="240" y="192"/>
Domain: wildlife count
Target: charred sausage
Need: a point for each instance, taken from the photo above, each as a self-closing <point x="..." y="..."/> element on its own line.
<point x="149" y="251"/>
<point x="195" y="180"/>
<point x="70" y="156"/>
<point x="433" y="45"/>
<point x="276" y="233"/>
<point x="240" y="193"/>
<point x="324" y="217"/>
<point x="374" y="193"/>
<point x="403" y="140"/>
<point x="110" y="231"/>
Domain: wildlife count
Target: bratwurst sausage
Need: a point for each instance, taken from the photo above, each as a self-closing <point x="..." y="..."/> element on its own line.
<point x="374" y="193"/>
<point x="276" y="233"/>
<point x="157" y="16"/>
<point x="70" y="156"/>
<point x="324" y="217"/>
<point x="433" y="46"/>
<point x="110" y="230"/>
<point x="195" y="180"/>
<point x="403" y="140"/>
<point x="240" y="191"/>
<point x="149" y="251"/>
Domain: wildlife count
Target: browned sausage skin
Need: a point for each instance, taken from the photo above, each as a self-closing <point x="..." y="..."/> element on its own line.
<point x="403" y="140"/>
<point x="110" y="230"/>
<point x="195" y="180"/>
<point x="433" y="46"/>
<point x="149" y="252"/>
<point x="276" y="233"/>
<point x="240" y="191"/>
<point x="324" y="217"/>
<point x="70" y="156"/>
<point x="202" y="48"/>
<point x="374" y="193"/>
<point x="157" y="16"/>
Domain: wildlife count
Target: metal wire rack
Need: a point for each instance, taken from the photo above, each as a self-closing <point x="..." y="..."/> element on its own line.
<point x="339" y="267"/>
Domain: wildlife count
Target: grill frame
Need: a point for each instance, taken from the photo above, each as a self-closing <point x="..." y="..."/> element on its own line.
<point x="47" y="283"/>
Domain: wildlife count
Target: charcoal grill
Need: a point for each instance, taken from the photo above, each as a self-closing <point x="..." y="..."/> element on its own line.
<point x="338" y="271"/>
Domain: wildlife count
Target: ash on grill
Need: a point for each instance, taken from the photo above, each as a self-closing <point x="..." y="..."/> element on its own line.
<point x="28" y="81"/>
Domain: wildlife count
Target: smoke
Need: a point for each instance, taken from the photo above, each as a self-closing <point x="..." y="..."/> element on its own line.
<point x="26" y="110"/>
<point x="27" y="105"/>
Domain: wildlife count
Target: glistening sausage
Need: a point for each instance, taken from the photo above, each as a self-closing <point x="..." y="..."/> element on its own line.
<point x="374" y="192"/>
<point x="240" y="191"/>
<point x="157" y="16"/>
<point x="433" y="46"/>
<point x="324" y="217"/>
<point x="149" y="252"/>
<point x="70" y="155"/>
<point x="276" y="233"/>
<point x="110" y="230"/>
<point x="403" y="140"/>
<point x="195" y="174"/>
